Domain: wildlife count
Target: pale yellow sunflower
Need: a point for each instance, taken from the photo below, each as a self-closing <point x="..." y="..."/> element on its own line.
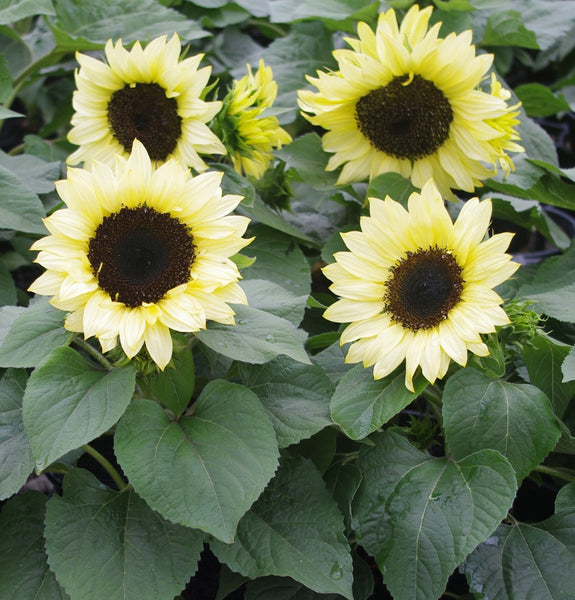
<point x="139" y="251"/>
<point x="416" y="286"/>
<point x="248" y="133"/>
<point x="146" y="94"/>
<point x="407" y="101"/>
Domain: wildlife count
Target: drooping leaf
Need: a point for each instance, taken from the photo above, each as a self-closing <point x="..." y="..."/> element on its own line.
<point x="107" y="544"/>
<point x="545" y="360"/>
<point x="293" y="530"/>
<point x="20" y="209"/>
<point x="420" y="516"/>
<point x="82" y="26"/>
<point x="279" y="260"/>
<point x="565" y="498"/>
<point x="294" y="395"/>
<point x="535" y="560"/>
<point x="24" y="570"/>
<point x="361" y="404"/>
<point x="203" y="470"/>
<point x="257" y="337"/>
<point x="515" y="419"/>
<point x="68" y="403"/>
<point x="14" y="10"/>
<point x="15" y="457"/>
<point x="35" y="332"/>
<point x="553" y="289"/>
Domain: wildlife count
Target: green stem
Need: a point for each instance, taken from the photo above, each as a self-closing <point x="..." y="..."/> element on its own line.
<point x="106" y="464"/>
<point x="559" y="472"/>
<point x="93" y="352"/>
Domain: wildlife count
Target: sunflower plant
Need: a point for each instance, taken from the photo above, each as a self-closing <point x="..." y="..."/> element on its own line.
<point x="286" y="300"/>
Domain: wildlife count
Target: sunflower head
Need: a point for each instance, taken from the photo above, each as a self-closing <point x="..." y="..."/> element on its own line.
<point x="418" y="287"/>
<point x="407" y="101"/>
<point x="139" y="251"/>
<point x="146" y="94"/>
<point x="248" y="134"/>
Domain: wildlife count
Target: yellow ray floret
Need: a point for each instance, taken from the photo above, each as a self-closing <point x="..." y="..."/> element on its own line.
<point x="417" y="287"/>
<point x="139" y="251"/>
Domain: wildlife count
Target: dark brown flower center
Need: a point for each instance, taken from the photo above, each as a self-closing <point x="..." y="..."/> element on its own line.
<point x="144" y="112"/>
<point x="405" y="120"/>
<point x="139" y="254"/>
<point x="424" y="286"/>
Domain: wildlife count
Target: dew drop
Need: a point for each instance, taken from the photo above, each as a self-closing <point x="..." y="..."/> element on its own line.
<point x="336" y="571"/>
<point x="270" y="338"/>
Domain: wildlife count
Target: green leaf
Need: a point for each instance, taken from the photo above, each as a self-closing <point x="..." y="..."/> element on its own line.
<point x="506" y="28"/>
<point x="295" y="396"/>
<point x="526" y="561"/>
<point x="20" y="209"/>
<point x="36" y="174"/>
<point x="275" y="299"/>
<point x="515" y="419"/>
<point x="257" y="337"/>
<point x="545" y="360"/>
<point x="393" y="185"/>
<point x="361" y="404"/>
<point x="174" y="386"/>
<point x="293" y="530"/>
<point x="332" y="361"/>
<point x="279" y="260"/>
<point x="306" y="157"/>
<point x="35" y="332"/>
<point x="539" y="101"/>
<point x="15" y="457"/>
<point x="203" y="470"/>
<point x="553" y="287"/>
<point x="234" y="183"/>
<point x="24" y="570"/>
<point x="106" y="544"/>
<point x="568" y="366"/>
<point x="422" y="516"/>
<point x="284" y="11"/>
<point x="68" y="403"/>
<point x="14" y="10"/>
<point x="85" y="26"/>
<point x="565" y="498"/>
<point x="6" y="113"/>
<point x="283" y="588"/>
<point x="8" y="294"/>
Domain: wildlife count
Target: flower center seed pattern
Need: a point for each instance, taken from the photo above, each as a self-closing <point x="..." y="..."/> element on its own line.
<point x="424" y="286"/>
<point x="139" y="254"/>
<point x="405" y="119"/>
<point x="144" y="112"/>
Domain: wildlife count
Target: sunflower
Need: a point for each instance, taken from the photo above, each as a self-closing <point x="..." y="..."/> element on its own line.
<point x="140" y="251"/>
<point x="407" y="101"/>
<point x="417" y="286"/>
<point x="249" y="135"/>
<point x="145" y="94"/>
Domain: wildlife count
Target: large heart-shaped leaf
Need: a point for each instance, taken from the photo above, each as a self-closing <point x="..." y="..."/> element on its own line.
<point x="294" y="530"/>
<point x="106" y="544"/>
<point x="68" y="403"/>
<point x="205" y="469"/>
<point x="429" y="512"/>
<point x="515" y="419"/>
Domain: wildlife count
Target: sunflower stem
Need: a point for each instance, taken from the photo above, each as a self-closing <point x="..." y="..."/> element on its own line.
<point x="559" y="472"/>
<point x="93" y="352"/>
<point x="106" y="465"/>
